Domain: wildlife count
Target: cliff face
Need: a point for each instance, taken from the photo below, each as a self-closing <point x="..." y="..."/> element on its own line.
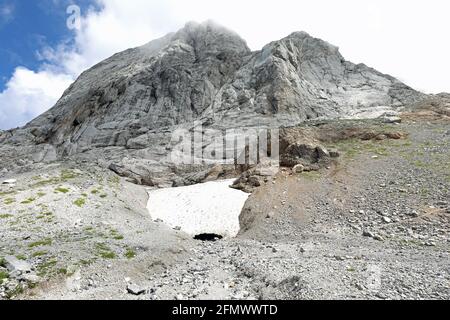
<point x="204" y="72"/>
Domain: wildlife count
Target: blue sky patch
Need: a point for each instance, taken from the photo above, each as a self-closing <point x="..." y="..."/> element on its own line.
<point x="26" y="27"/>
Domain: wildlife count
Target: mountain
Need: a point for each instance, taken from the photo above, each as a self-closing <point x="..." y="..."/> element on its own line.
<point x="121" y="113"/>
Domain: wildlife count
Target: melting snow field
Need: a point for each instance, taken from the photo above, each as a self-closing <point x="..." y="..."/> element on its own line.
<point x="211" y="207"/>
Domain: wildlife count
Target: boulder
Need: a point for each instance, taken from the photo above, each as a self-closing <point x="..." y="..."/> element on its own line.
<point x="15" y="265"/>
<point x="305" y="154"/>
<point x="9" y="181"/>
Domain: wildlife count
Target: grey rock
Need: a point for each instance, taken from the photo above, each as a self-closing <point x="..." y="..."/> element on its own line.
<point x="135" y="290"/>
<point x="442" y="203"/>
<point x="304" y="154"/>
<point x="31" y="278"/>
<point x="9" y="181"/>
<point x="392" y="120"/>
<point x="387" y="220"/>
<point x="299" y="168"/>
<point x="15" y="265"/>
<point x="368" y="234"/>
<point x="378" y="237"/>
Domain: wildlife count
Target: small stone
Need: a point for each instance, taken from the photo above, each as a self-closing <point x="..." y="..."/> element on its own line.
<point x="135" y="290"/>
<point x="360" y="287"/>
<point x="270" y="215"/>
<point x="368" y="234"/>
<point x="392" y="120"/>
<point x="299" y="168"/>
<point x="177" y="228"/>
<point x="378" y="237"/>
<point x="9" y="181"/>
<point x="387" y="220"/>
<point x="413" y="214"/>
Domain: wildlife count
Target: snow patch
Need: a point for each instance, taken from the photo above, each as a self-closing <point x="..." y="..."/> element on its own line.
<point x="207" y="208"/>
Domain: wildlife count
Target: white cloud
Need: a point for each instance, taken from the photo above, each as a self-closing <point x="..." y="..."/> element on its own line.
<point x="29" y="94"/>
<point x="405" y="38"/>
<point x="6" y="13"/>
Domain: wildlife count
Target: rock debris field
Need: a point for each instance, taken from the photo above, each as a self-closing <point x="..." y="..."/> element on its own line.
<point x="373" y="224"/>
<point x="92" y="205"/>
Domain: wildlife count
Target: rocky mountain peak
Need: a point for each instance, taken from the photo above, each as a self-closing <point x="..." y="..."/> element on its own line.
<point x="209" y="37"/>
<point x="133" y="101"/>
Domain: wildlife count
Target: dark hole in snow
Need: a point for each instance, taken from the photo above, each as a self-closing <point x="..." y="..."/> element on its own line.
<point x="208" y="237"/>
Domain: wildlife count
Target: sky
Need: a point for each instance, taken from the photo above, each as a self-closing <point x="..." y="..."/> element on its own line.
<point x="44" y="46"/>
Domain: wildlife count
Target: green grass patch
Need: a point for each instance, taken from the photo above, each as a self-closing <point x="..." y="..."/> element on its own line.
<point x="9" y="201"/>
<point x="6" y="216"/>
<point x="44" y="242"/>
<point x="62" y="190"/>
<point x="104" y="251"/>
<point x="46" y="267"/>
<point x="3" y="276"/>
<point x="21" y="257"/>
<point x="68" y="174"/>
<point x="85" y="263"/>
<point x="116" y="235"/>
<point x="114" y="180"/>
<point x="15" y="292"/>
<point x="28" y="201"/>
<point x="62" y="271"/>
<point x="420" y="164"/>
<point x="6" y="193"/>
<point x="45" y="214"/>
<point x="64" y="176"/>
<point x="46" y="182"/>
<point x="130" y="253"/>
<point x="80" y="202"/>
<point x="311" y="175"/>
<point x="39" y="254"/>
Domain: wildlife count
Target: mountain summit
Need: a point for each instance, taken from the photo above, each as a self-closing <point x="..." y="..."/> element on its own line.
<point x="204" y="72"/>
